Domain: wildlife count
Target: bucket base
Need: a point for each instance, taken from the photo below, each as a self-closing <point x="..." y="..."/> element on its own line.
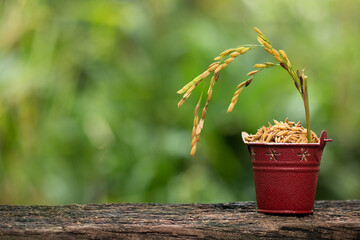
<point x="286" y="212"/>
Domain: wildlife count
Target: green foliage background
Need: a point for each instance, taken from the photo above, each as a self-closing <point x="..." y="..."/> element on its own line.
<point x="88" y="97"/>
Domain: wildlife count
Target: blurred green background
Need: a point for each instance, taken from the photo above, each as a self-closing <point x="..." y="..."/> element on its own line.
<point x="88" y="103"/>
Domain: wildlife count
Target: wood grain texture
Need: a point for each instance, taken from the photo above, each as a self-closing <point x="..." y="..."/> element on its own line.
<point x="331" y="220"/>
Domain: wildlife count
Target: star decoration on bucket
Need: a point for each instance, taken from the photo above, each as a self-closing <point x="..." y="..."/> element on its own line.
<point x="304" y="154"/>
<point x="273" y="154"/>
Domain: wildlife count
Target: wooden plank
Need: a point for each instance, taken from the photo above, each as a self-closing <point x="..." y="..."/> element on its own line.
<point x="331" y="220"/>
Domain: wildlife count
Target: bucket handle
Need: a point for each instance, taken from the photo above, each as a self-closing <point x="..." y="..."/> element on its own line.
<point x="323" y="141"/>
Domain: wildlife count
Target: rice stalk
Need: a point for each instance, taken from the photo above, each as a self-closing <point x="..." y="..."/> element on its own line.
<point x="299" y="82"/>
<point x="225" y="58"/>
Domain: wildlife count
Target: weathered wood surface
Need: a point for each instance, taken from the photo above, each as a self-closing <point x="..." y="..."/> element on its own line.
<point x="331" y="220"/>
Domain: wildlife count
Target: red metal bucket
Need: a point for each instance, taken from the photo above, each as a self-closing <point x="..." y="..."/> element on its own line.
<point x="286" y="175"/>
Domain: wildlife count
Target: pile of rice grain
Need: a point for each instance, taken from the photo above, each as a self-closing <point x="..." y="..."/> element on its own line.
<point x="282" y="132"/>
